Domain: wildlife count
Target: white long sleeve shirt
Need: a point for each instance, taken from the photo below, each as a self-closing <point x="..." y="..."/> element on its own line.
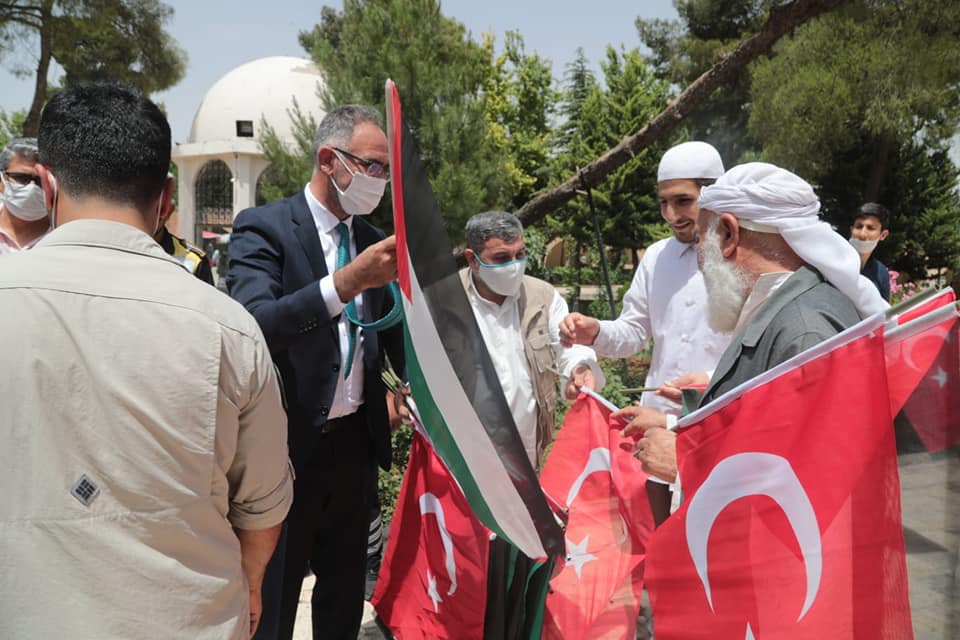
<point x="667" y="301"/>
<point x="500" y="327"/>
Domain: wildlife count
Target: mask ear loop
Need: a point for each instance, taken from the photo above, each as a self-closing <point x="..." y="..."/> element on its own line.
<point x="393" y="316"/>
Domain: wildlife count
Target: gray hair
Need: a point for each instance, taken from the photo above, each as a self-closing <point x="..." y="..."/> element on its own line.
<point x="492" y="224"/>
<point x="23" y="148"/>
<point x="337" y="126"/>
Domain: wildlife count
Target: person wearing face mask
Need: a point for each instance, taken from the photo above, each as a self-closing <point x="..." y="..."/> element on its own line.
<point x="871" y="226"/>
<point x="24" y="218"/>
<point x="518" y="314"/>
<point x="308" y="268"/>
<point x="519" y="318"/>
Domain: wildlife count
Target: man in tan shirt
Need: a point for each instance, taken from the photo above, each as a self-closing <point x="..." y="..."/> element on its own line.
<point x="143" y="435"/>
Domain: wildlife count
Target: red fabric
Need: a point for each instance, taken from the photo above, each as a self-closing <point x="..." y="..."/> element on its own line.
<point x="416" y="557"/>
<point x="822" y="431"/>
<point x="934" y="406"/>
<point x="943" y="297"/>
<point x="592" y="473"/>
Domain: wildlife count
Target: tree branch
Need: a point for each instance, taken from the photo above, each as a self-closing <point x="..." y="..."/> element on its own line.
<point x="782" y="20"/>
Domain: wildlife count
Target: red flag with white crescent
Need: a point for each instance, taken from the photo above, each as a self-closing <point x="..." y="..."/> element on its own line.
<point x="592" y="473"/>
<point x="433" y="581"/>
<point x="791" y="523"/>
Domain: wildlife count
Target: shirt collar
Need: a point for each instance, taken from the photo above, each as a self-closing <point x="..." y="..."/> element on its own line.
<point x="7" y="238"/>
<point x="322" y="217"/>
<point x="764" y="287"/>
<point x="108" y="234"/>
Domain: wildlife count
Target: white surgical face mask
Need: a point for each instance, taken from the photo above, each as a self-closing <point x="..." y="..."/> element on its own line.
<point x="362" y="195"/>
<point x="503" y="279"/>
<point x="864" y="246"/>
<point x="25" y="201"/>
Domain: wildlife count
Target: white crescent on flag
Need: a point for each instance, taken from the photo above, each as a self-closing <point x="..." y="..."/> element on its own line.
<point x="598" y="460"/>
<point x="429" y="503"/>
<point x="748" y="474"/>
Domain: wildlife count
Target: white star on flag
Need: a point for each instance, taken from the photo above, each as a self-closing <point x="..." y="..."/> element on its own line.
<point x="577" y="555"/>
<point x="940" y="377"/>
<point x="432" y="591"/>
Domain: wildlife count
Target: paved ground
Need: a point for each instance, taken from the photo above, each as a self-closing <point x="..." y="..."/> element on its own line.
<point x="930" y="487"/>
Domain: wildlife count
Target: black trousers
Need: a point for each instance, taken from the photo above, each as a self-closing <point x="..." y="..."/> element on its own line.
<point x="325" y="531"/>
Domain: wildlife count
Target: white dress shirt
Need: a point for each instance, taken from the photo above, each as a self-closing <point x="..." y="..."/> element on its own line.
<point x="500" y="328"/>
<point x="349" y="394"/>
<point x="666" y="302"/>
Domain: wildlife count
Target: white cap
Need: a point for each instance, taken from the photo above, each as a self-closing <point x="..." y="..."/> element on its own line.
<point x="690" y="161"/>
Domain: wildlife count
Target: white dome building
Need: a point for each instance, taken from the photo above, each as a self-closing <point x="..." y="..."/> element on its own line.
<point x="221" y="163"/>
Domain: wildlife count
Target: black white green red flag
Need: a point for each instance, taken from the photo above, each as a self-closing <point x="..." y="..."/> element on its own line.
<point x="452" y="378"/>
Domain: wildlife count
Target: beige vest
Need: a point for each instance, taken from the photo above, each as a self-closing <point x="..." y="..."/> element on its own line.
<point x="535" y="298"/>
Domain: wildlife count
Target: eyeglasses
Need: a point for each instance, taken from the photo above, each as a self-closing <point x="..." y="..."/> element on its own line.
<point x="373" y="168"/>
<point x="23" y="178"/>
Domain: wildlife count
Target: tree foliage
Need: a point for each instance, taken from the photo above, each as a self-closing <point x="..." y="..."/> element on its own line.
<point x="598" y="116"/>
<point x="861" y="101"/>
<point x="94" y="40"/>
<point x="481" y="119"/>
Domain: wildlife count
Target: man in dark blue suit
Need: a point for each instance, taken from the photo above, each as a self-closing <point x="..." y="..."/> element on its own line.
<point x="301" y="266"/>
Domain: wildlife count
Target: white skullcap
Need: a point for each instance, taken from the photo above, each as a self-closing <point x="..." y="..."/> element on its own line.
<point x="690" y="161"/>
<point x="770" y="199"/>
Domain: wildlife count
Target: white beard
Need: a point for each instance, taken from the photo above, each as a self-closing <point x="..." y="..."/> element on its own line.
<point x="727" y="286"/>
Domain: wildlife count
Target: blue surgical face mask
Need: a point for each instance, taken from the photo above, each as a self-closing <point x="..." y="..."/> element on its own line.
<point x="505" y="278"/>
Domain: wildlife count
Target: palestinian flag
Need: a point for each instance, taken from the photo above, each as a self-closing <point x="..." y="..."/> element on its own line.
<point x="452" y="378"/>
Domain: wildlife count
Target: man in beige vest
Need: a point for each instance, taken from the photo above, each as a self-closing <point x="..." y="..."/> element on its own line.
<point x="519" y="314"/>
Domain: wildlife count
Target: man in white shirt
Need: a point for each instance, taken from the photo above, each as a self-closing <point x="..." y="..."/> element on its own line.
<point x="519" y="314"/>
<point x="666" y="301"/>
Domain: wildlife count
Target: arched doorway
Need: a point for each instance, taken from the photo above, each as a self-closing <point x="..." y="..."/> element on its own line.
<point x="213" y="197"/>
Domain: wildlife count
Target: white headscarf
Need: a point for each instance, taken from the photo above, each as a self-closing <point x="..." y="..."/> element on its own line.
<point x="770" y="199"/>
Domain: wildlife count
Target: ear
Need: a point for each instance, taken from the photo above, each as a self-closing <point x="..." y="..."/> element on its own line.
<point x="49" y="185"/>
<point x="471" y="258"/>
<point x="729" y="231"/>
<point x="325" y="158"/>
<point x="166" y="200"/>
<point x="884" y="234"/>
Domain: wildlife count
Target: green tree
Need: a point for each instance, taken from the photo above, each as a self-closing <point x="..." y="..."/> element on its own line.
<point x="290" y="168"/>
<point x="597" y="117"/>
<point x="863" y="103"/>
<point x="93" y="40"/>
<point x="440" y="74"/>
<point x="683" y="49"/>
<point x="519" y="99"/>
<point x="11" y="126"/>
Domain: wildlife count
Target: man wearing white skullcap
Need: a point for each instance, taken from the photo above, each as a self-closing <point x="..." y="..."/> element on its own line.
<point x="777" y="275"/>
<point x="666" y="301"/>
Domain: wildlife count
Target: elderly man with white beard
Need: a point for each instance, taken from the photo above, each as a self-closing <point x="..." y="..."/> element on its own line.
<point x="775" y="274"/>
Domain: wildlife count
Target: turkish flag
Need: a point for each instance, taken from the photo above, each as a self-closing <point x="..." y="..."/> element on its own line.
<point x="923" y="369"/>
<point x="791" y="523"/>
<point x="934" y="406"/>
<point x="592" y="473"/>
<point x="433" y="582"/>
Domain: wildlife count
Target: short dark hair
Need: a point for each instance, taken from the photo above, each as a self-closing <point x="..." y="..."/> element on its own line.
<point x="107" y="140"/>
<point x="876" y="210"/>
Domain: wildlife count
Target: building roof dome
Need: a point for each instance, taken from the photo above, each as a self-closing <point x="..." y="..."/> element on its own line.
<point x="260" y="88"/>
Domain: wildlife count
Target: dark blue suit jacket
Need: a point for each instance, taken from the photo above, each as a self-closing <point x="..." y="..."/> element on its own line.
<point x="276" y="262"/>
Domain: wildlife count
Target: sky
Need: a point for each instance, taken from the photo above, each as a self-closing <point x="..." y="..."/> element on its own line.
<point x="219" y="37"/>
